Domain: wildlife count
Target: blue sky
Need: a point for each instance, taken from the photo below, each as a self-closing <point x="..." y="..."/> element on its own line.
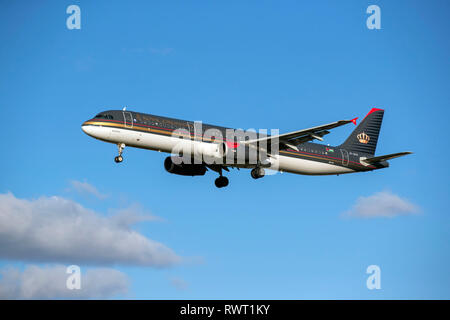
<point x="241" y="64"/>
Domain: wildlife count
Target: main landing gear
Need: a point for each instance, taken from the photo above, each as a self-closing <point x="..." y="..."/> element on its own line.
<point x="257" y="173"/>
<point x="221" y="181"/>
<point x="119" y="158"/>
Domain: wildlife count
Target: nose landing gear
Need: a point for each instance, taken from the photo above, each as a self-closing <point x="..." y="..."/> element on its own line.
<point x="119" y="158"/>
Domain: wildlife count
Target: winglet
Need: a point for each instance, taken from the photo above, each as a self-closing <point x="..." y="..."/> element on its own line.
<point x="354" y="120"/>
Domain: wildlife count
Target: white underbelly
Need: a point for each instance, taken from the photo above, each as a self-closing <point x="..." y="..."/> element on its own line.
<point x="144" y="140"/>
<point x="309" y="167"/>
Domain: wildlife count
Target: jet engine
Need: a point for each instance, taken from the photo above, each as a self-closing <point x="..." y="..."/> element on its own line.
<point x="184" y="169"/>
<point x="210" y="150"/>
<point x="210" y="153"/>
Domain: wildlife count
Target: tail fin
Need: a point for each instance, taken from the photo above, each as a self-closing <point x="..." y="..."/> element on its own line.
<point x="364" y="138"/>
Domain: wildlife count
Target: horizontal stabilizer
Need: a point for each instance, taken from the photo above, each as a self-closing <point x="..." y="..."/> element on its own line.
<point x="386" y="157"/>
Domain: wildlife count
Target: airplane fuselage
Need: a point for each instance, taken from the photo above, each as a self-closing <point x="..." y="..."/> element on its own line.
<point x="152" y="132"/>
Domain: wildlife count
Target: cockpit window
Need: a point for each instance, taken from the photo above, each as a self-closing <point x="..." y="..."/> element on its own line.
<point x="103" y="116"/>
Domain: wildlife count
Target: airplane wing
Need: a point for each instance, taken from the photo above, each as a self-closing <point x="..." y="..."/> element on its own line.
<point x="292" y="139"/>
<point x="386" y="157"/>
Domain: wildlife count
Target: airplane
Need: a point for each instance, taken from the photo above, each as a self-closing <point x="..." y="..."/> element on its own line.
<point x="291" y="152"/>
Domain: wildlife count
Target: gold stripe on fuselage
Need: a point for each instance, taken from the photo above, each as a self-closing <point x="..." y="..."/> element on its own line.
<point x="134" y="127"/>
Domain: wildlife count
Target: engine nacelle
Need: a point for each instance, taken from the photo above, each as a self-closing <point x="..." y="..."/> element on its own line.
<point x="210" y="150"/>
<point x="206" y="152"/>
<point x="184" y="169"/>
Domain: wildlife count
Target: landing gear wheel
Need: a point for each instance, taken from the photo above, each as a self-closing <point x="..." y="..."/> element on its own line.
<point x="119" y="158"/>
<point x="221" y="182"/>
<point x="257" y="173"/>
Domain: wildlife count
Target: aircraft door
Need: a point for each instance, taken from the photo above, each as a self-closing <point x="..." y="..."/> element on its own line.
<point x="190" y="127"/>
<point x="344" y="154"/>
<point x="128" y="119"/>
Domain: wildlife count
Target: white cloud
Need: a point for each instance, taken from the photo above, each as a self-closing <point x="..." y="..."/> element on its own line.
<point x="50" y="283"/>
<point x="85" y="188"/>
<point x="381" y="204"/>
<point x="55" y="229"/>
<point x="132" y="215"/>
<point x="179" y="283"/>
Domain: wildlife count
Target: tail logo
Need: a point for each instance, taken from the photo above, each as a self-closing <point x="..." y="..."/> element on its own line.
<point x="363" y="138"/>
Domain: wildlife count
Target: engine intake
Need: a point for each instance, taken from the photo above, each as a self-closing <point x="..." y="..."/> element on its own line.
<point x="184" y="169"/>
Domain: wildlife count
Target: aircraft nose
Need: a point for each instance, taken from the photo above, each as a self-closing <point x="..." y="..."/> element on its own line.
<point x="86" y="128"/>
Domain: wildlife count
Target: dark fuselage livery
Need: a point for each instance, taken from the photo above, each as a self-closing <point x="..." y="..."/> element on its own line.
<point x="141" y="122"/>
<point x="153" y="132"/>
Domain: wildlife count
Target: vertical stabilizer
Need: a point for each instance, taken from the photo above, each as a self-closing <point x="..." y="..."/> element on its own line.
<point x="365" y="137"/>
